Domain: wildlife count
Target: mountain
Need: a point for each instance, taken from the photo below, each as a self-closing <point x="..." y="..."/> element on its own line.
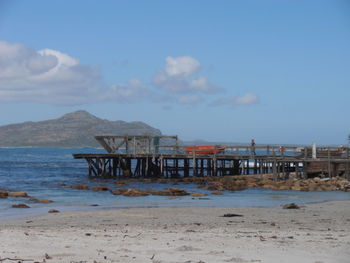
<point x="76" y="129"/>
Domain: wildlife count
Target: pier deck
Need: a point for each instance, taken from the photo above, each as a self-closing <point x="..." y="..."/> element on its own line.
<point x="145" y="156"/>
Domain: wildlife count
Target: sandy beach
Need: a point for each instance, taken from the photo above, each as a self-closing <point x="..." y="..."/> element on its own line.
<point x="314" y="233"/>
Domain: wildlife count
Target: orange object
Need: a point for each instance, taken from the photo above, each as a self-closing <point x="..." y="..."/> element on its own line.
<point x="205" y="149"/>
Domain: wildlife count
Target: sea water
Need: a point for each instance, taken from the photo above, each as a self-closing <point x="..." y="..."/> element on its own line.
<point x="48" y="173"/>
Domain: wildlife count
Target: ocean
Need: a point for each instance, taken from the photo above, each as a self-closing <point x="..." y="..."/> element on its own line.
<point x="48" y="173"/>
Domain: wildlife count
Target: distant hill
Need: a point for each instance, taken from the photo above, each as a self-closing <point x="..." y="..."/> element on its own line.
<point x="76" y="129"/>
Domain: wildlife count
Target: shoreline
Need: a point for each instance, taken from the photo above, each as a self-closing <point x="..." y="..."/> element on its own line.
<point x="281" y="197"/>
<point x="316" y="232"/>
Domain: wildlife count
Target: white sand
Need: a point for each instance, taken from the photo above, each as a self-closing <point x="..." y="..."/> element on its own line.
<point x="315" y="233"/>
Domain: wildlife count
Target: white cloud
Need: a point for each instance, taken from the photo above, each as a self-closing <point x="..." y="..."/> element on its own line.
<point x="181" y="66"/>
<point x="50" y="76"/>
<point x="202" y="84"/>
<point x="179" y="76"/>
<point x="46" y="76"/>
<point x="247" y="99"/>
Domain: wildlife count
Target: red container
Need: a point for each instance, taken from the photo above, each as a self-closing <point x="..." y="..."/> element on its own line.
<point x="205" y="149"/>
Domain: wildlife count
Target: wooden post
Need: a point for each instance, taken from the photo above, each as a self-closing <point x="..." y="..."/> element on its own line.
<point x="223" y="167"/>
<point x="209" y="173"/>
<point x="147" y="167"/>
<point x="274" y="169"/>
<point x="202" y="167"/>
<point x="248" y="166"/>
<point x="329" y="163"/>
<point x="161" y="166"/>
<point x="235" y="167"/>
<point x="347" y="172"/>
<point x="90" y="167"/>
<point x="214" y="166"/>
<point x="186" y="167"/>
<point x="194" y="162"/>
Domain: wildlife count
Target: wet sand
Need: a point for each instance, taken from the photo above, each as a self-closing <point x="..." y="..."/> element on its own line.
<point x="314" y="233"/>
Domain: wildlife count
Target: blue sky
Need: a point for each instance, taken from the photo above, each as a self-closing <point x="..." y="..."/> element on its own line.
<point x="277" y="71"/>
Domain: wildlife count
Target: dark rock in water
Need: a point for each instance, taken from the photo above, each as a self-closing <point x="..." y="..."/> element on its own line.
<point x="80" y="187"/>
<point x="94" y="205"/>
<point x="217" y="193"/>
<point x="130" y="192"/>
<point x="232" y="215"/>
<point x="291" y="206"/>
<point x="134" y="193"/>
<point x="119" y="191"/>
<point x="216" y="186"/>
<point x="170" y="192"/>
<point x="4" y="194"/>
<point x="20" y="206"/>
<point x="33" y="199"/>
<point x="100" y="188"/>
<point x="44" y="201"/>
<point x="197" y="194"/>
<point x="18" y="194"/>
<point x="176" y="191"/>
<point x="53" y="211"/>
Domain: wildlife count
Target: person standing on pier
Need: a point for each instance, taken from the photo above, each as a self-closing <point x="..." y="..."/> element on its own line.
<point x="253" y="147"/>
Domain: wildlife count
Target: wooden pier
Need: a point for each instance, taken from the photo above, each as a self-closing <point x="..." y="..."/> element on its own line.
<point x="163" y="156"/>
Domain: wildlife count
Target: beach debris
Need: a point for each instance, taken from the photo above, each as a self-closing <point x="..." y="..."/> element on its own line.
<point x="20" y="206"/>
<point x="53" y="211"/>
<point x="15" y="259"/>
<point x="132" y="236"/>
<point x="100" y="188"/>
<point x="236" y="259"/>
<point x="4" y="194"/>
<point x="232" y="215"/>
<point x="260" y="236"/>
<point x="187" y="248"/>
<point x="290" y="206"/>
<point x="197" y="194"/>
<point x="18" y="194"/>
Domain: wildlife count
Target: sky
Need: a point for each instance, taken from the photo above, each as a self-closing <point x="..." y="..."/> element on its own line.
<point x="276" y="71"/>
